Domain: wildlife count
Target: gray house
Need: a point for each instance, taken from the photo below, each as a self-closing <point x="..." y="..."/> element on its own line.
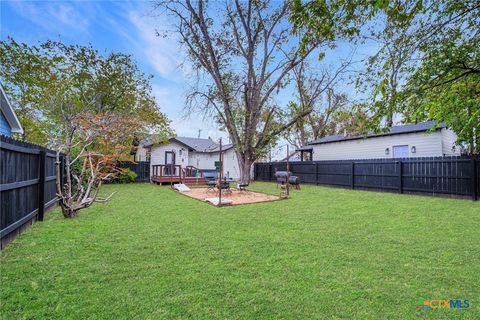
<point x="411" y="140"/>
<point x="8" y="119"/>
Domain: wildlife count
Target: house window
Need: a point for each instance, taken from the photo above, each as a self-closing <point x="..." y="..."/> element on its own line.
<point x="400" y="151"/>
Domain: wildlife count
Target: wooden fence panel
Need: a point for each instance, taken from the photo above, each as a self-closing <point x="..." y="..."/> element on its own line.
<point x="141" y="168"/>
<point x="456" y="176"/>
<point x="24" y="192"/>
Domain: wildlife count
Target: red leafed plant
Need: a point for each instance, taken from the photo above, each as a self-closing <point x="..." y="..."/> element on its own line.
<point x="94" y="143"/>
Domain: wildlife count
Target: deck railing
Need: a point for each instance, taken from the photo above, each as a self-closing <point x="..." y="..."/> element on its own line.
<point x="169" y="170"/>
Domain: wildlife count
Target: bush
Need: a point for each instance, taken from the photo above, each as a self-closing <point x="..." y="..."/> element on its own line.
<point x="125" y="176"/>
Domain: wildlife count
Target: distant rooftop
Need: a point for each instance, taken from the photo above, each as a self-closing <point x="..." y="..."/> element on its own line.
<point x="197" y="144"/>
<point x="407" y="128"/>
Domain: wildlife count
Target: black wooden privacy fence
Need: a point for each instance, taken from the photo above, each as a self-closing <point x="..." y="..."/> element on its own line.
<point x="27" y="185"/>
<point x="457" y="176"/>
<point x="141" y="168"/>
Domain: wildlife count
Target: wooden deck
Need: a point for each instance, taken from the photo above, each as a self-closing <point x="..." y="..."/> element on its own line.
<point x="166" y="174"/>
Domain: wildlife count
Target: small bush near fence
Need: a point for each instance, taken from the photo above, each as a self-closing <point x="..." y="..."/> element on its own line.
<point x="141" y="168"/>
<point x="125" y="176"/>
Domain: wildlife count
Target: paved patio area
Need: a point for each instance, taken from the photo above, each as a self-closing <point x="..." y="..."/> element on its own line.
<point x="237" y="197"/>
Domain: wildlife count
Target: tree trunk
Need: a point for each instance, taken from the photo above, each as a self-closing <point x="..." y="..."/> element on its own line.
<point x="244" y="164"/>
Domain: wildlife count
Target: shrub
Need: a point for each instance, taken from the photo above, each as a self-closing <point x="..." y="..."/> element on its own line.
<point x="125" y="176"/>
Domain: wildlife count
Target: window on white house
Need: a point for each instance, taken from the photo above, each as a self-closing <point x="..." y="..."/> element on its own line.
<point x="400" y="151"/>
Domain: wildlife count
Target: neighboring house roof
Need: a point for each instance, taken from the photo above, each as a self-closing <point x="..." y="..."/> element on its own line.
<point x="9" y="113"/>
<point x="408" y="128"/>
<point x="196" y="144"/>
<point x="146" y="141"/>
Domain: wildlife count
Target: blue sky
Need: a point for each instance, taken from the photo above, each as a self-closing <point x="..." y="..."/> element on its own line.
<point x="128" y="27"/>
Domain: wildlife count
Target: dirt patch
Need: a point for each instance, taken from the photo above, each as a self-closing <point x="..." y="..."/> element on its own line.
<point x="237" y="197"/>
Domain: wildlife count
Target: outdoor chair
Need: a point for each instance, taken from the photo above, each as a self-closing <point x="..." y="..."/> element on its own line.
<point x="242" y="186"/>
<point x="224" y="185"/>
<point x="211" y="185"/>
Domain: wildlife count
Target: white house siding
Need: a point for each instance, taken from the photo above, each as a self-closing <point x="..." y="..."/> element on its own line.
<point x="204" y="160"/>
<point x="141" y="154"/>
<point x="157" y="155"/>
<point x="201" y="160"/>
<point x="448" y="143"/>
<point x="426" y="144"/>
<point x="230" y="164"/>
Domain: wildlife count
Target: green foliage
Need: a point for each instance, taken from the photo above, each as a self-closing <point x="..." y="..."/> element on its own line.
<point x="427" y="67"/>
<point x="446" y="85"/>
<point x="37" y="77"/>
<point x="325" y="253"/>
<point x="125" y="176"/>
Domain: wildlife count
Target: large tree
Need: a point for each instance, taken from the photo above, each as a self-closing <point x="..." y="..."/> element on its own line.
<point x="244" y="53"/>
<point x="427" y="65"/>
<point x="89" y="106"/>
<point x="446" y="85"/>
<point x="113" y="80"/>
<point x="315" y="91"/>
<point x="386" y="71"/>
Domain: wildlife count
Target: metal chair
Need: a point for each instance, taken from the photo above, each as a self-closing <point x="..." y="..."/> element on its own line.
<point x="211" y="185"/>
<point x="224" y="185"/>
<point x="242" y="186"/>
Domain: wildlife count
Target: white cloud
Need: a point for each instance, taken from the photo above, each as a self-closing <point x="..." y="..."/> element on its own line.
<point x="163" y="53"/>
<point x="52" y="16"/>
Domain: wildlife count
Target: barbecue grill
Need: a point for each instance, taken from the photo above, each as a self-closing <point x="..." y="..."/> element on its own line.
<point x="282" y="177"/>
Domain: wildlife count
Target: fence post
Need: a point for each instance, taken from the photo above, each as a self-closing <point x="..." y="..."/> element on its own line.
<point x="474" y="180"/>
<point x="41" y="184"/>
<point x="316" y="173"/>
<point x="270" y="172"/>
<point x="353" y="176"/>
<point x="400" y="177"/>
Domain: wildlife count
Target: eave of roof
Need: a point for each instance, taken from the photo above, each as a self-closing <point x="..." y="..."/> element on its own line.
<point x="305" y="148"/>
<point x="9" y="114"/>
<point x="214" y="147"/>
<point x="405" y="129"/>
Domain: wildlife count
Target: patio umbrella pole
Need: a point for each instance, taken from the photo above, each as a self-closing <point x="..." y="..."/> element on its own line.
<point x="171" y="171"/>
<point x="220" y="166"/>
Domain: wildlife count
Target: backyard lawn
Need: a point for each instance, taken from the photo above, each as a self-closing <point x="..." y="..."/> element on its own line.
<point x="325" y="253"/>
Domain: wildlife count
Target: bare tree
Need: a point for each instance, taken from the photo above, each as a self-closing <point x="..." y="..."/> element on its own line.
<point x="246" y="52"/>
<point x="315" y="92"/>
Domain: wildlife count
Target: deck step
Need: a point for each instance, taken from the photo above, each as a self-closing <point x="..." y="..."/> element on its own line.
<point x="194" y="180"/>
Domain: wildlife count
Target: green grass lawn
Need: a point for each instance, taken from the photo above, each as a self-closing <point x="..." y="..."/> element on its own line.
<point x="325" y="253"/>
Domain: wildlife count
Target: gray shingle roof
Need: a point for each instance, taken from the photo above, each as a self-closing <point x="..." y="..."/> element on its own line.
<point x="197" y="144"/>
<point x="147" y="141"/>
<point x="408" y="128"/>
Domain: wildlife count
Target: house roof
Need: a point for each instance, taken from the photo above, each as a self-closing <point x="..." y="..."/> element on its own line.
<point x="200" y="144"/>
<point x="408" y="128"/>
<point x="9" y="113"/>
<point x="197" y="144"/>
